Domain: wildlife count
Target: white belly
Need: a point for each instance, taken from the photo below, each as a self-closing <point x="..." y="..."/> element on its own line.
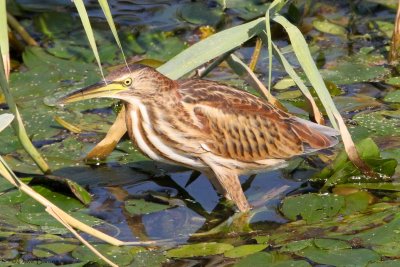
<point x="173" y="155"/>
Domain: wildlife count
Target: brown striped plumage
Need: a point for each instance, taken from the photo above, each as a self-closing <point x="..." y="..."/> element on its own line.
<point x="211" y="127"/>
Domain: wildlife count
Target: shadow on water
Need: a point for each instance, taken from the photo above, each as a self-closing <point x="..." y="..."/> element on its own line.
<point x="194" y="207"/>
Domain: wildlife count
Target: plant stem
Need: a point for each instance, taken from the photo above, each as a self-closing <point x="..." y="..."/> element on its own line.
<point x="18" y="125"/>
<point x="13" y="22"/>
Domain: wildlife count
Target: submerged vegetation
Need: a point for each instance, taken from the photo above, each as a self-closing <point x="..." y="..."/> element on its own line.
<point x="322" y="209"/>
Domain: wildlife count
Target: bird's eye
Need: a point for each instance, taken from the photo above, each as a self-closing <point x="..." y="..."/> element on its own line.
<point x="128" y="82"/>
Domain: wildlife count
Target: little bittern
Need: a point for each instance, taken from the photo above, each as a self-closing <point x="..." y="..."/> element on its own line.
<point x="207" y="126"/>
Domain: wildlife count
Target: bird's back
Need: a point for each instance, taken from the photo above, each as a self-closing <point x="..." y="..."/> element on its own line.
<point x="246" y="128"/>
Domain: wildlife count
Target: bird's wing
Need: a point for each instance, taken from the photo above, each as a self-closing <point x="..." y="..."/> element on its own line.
<point x="244" y="127"/>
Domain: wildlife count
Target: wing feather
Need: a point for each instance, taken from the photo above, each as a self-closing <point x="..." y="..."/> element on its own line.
<point x="244" y="127"/>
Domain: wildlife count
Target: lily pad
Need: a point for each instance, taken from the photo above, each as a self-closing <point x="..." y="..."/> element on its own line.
<point x="244" y="250"/>
<point x="199" y="13"/>
<point x="393" y="97"/>
<point x="120" y="255"/>
<point x="342" y="257"/>
<point x="200" y="249"/>
<point x="141" y="206"/>
<point x="384" y="122"/>
<point x="53" y="249"/>
<point x="328" y="27"/>
<point x="312" y="207"/>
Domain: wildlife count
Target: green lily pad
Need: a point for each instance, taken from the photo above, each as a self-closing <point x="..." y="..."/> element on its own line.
<point x="53" y="249"/>
<point x="356" y="202"/>
<point x="258" y="259"/>
<point x="149" y="258"/>
<point x="384" y="122"/>
<point x="328" y="27"/>
<point x="297" y="245"/>
<point x="331" y="244"/>
<point x="261" y="259"/>
<point x="120" y="255"/>
<point x="361" y="67"/>
<point x="312" y="207"/>
<point x="141" y="206"/>
<point x="387" y="263"/>
<point x="199" y="13"/>
<point x="161" y="46"/>
<point x="341" y="170"/>
<point x="244" y="250"/>
<point x="200" y="249"/>
<point x="393" y="97"/>
<point x="342" y="257"/>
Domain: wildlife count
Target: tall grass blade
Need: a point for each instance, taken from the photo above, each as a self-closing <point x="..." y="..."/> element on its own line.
<point x="303" y="88"/>
<point x="18" y="125"/>
<point x="306" y="61"/>
<point x="4" y="47"/>
<point x="273" y="7"/>
<point x="243" y="70"/>
<point x="5" y="120"/>
<point x="210" y="48"/>
<point x="107" y="13"/>
<point x="89" y="31"/>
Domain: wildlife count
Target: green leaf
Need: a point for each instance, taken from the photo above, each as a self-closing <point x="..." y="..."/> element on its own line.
<point x="5" y="120"/>
<point x="356" y="202"/>
<point x="209" y="48"/>
<point x="311" y="207"/>
<point x="88" y="30"/>
<point x="385" y="122"/>
<point x="199" y="13"/>
<point x="387" y="263"/>
<point x="244" y="250"/>
<point x="259" y="259"/>
<point x="326" y="26"/>
<point x="342" y="257"/>
<point x="141" y="206"/>
<point x="297" y="245"/>
<point x="393" y="97"/>
<point x="120" y="255"/>
<point x="331" y="244"/>
<point x="52" y="249"/>
<point x="200" y="249"/>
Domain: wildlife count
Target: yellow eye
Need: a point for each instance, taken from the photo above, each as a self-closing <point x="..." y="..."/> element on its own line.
<point x="127" y="81"/>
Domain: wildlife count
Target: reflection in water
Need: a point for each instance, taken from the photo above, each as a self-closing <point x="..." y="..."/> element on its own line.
<point x="195" y="207"/>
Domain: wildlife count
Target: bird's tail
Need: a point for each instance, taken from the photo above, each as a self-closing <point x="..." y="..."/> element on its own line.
<point x="315" y="135"/>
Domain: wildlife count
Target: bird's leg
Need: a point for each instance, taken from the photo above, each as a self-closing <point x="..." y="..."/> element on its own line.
<point x="216" y="184"/>
<point x="230" y="182"/>
<point x="227" y="183"/>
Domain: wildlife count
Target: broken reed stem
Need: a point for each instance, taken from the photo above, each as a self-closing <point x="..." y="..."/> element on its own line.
<point x="394" y="52"/>
<point x="71" y="221"/>
<point x="14" y="24"/>
<point x="60" y="219"/>
<point x="256" y="54"/>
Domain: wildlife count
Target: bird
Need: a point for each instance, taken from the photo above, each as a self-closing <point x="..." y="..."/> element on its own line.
<point x="216" y="129"/>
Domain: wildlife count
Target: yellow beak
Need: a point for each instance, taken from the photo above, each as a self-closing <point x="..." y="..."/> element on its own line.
<point x="97" y="90"/>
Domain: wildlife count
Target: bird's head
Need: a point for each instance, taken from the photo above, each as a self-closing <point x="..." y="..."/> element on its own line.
<point x="128" y="84"/>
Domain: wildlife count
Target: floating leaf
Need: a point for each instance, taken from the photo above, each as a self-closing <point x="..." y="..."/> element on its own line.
<point x="52" y="249"/>
<point x="384" y="122"/>
<point x="328" y="27"/>
<point x="342" y="257"/>
<point x="244" y="250"/>
<point x="199" y="13"/>
<point x="141" y="206"/>
<point x="393" y="97"/>
<point x="331" y="244"/>
<point x="311" y="207"/>
<point x="121" y="255"/>
<point x="200" y="249"/>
